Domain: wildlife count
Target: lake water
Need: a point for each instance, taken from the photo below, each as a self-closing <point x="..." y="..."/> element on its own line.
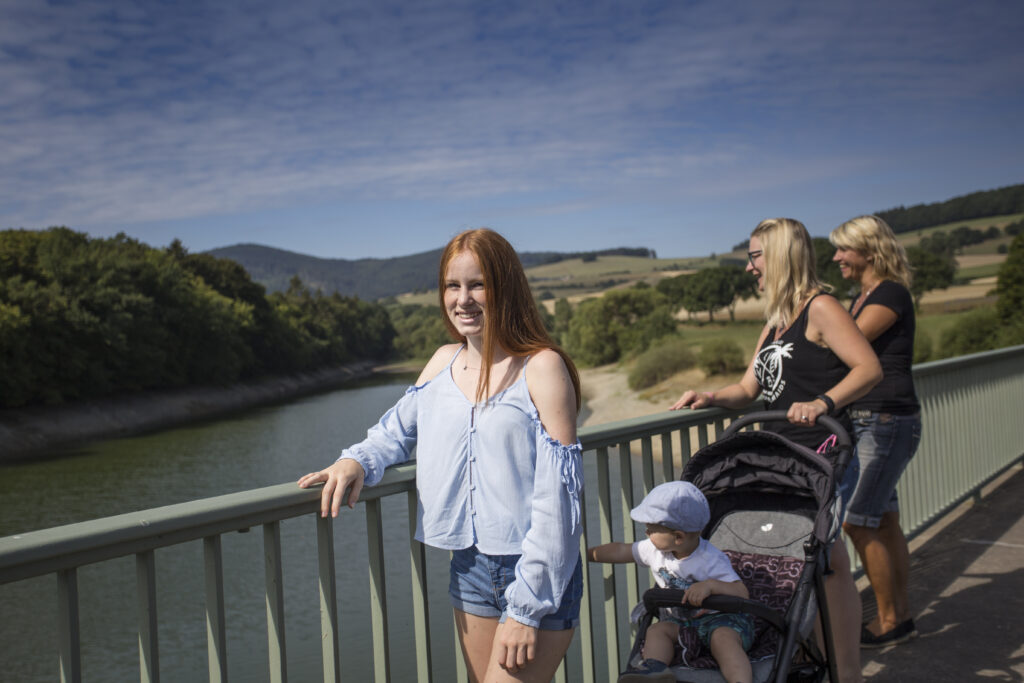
<point x="258" y="448"/>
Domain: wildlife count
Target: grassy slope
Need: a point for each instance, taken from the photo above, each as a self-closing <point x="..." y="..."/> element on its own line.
<point x="575" y="279"/>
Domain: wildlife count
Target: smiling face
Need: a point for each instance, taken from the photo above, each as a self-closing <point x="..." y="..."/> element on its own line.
<point x="465" y="298"/>
<point x="852" y="264"/>
<point x="755" y="261"/>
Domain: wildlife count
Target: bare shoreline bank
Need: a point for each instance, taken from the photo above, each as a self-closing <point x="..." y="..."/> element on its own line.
<point x="39" y="431"/>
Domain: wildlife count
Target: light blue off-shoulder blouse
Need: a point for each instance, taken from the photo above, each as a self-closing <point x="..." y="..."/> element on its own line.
<point x="489" y="475"/>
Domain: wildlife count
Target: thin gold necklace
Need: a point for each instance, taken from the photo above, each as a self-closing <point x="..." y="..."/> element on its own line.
<point x="864" y="297"/>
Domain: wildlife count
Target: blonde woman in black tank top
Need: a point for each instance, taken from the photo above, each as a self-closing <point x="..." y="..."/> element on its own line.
<point x="811" y="360"/>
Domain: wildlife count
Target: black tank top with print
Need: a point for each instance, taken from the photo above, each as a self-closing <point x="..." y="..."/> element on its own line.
<point x="792" y="368"/>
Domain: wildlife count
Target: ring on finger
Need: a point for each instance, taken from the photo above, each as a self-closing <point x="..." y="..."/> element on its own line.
<point x="803" y="418"/>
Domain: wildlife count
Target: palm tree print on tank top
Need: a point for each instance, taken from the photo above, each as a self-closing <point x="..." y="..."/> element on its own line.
<point x="768" y="368"/>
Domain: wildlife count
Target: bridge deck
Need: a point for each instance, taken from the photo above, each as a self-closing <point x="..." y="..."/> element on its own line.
<point x="966" y="593"/>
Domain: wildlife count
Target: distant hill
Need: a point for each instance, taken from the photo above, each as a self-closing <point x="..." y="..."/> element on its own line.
<point x="1002" y="201"/>
<point x="370" y="278"/>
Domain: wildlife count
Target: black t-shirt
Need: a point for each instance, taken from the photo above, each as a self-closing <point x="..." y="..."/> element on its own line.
<point x="792" y="369"/>
<point x="895" y="349"/>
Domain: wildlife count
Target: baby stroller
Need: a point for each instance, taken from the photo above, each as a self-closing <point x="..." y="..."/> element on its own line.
<point x="774" y="512"/>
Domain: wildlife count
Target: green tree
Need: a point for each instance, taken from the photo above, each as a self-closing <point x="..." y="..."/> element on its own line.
<point x="939" y="243"/>
<point x="931" y="271"/>
<point x="621" y="322"/>
<point x="419" y="330"/>
<point x="828" y="270"/>
<point x="709" y="290"/>
<point x="563" y="316"/>
<point x="1010" y="285"/>
<point x="674" y="289"/>
<point x="743" y="287"/>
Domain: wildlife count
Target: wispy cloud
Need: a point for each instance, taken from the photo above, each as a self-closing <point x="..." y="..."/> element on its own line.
<point x="130" y="112"/>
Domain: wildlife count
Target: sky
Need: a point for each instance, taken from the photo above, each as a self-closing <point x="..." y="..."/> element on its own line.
<point x="352" y="129"/>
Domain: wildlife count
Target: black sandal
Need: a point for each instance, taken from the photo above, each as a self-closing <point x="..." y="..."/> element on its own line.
<point x="901" y="634"/>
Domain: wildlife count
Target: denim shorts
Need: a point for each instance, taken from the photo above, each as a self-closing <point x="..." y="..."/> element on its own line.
<point x="706" y="624"/>
<point x="848" y="484"/>
<point x="885" y="444"/>
<point x="477" y="586"/>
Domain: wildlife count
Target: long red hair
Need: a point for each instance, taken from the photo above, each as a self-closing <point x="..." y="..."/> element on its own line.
<point x="511" y="320"/>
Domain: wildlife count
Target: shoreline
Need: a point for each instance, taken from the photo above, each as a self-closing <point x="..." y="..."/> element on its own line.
<point x="43" y="431"/>
<point x="38" y="431"/>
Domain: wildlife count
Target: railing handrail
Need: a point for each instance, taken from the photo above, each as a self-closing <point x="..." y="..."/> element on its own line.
<point x="172" y="524"/>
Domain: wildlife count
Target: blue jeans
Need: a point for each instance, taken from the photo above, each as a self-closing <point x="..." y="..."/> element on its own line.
<point x="477" y="584"/>
<point x="885" y="444"/>
<point x="847" y="485"/>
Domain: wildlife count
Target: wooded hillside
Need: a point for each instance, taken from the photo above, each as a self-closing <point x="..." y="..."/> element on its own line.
<point x="371" y="278"/>
<point x="82" y="318"/>
<point x="1003" y="201"/>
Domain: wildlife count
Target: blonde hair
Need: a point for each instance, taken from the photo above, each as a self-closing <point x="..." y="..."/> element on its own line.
<point x="872" y="238"/>
<point x="512" y="320"/>
<point x="790" y="276"/>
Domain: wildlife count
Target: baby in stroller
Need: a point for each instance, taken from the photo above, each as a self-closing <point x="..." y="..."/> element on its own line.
<point x="675" y="514"/>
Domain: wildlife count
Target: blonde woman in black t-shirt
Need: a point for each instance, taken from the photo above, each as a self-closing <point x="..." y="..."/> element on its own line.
<point x="886" y="421"/>
<point x="811" y="360"/>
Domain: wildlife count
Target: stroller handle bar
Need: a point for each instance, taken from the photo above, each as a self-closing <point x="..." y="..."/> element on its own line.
<point x="829" y="423"/>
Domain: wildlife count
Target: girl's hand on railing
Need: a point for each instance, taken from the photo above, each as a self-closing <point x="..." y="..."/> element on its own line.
<point x="336" y="479"/>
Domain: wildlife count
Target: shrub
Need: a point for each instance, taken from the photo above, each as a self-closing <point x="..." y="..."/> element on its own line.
<point x="661" y="361"/>
<point x="720" y="357"/>
<point x="975" y="331"/>
<point x="922" y="347"/>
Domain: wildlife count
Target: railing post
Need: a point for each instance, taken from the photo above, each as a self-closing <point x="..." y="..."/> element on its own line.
<point x="277" y="658"/>
<point x="685" y="448"/>
<point x="647" y="463"/>
<point x="149" y="645"/>
<point x="667" y="457"/>
<point x="461" y="672"/>
<point x="378" y="592"/>
<point x="589" y="663"/>
<point x="626" y="504"/>
<point x="328" y="599"/>
<point x="420" y="608"/>
<point x="69" y="635"/>
<point x="216" y="631"/>
<point x="611" y="596"/>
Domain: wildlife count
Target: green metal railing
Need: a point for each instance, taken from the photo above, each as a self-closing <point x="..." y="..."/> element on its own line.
<point x="972" y="432"/>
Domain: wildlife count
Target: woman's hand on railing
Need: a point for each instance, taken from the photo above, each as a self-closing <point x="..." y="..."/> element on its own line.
<point x="336" y="479"/>
<point x="695" y="400"/>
